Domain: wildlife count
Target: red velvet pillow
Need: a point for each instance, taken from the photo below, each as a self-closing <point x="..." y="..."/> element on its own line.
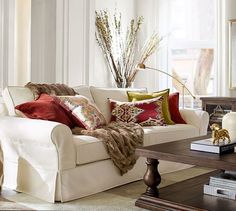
<point x="46" y="108"/>
<point x="145" y="112"/>
<point x="174" y="108"/>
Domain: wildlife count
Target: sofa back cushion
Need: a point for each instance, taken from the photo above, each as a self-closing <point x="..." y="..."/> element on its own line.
<point x="85" y="91"/>
<point x="101" y="96"/>
<point x="16" y="95"/>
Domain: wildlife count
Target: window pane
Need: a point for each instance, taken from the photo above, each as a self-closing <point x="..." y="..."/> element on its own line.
<point x="191" y="25"/>
<point x="194" y="67"/>
<point x="192" y="19"/>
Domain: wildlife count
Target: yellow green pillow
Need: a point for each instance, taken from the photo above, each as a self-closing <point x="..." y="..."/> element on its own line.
<point x="137" y="96"/>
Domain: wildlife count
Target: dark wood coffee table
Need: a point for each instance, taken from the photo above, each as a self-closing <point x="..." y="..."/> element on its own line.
<point x="186" y="195"/>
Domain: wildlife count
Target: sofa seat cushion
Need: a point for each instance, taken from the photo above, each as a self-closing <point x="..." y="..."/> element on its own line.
<point x="162" y="134"/>
<point x="90" y="149"/>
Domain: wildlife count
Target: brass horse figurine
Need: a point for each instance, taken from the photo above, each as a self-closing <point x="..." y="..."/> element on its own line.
<point x="219" y="134"/>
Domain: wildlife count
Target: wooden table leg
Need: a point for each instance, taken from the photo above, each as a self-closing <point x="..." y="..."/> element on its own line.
<point x="152" y="177"/>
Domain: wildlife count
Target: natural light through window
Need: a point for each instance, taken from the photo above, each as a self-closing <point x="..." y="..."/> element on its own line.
<point x="190" y="26"/>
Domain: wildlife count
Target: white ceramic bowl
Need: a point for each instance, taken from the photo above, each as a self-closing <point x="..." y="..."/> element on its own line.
<point x="229" y="123"/>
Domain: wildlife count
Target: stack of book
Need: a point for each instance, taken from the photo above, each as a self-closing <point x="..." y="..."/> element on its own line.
<point x="206" y="145"/>
<point x="222" y="185"/>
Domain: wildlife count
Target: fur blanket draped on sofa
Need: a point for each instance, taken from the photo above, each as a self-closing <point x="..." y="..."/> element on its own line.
<point x="121" y="140"/>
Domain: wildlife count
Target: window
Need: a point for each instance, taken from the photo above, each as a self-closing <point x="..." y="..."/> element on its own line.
<point x="190" y="30"/>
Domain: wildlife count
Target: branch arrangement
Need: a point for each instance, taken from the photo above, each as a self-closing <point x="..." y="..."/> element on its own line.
<point x="119" y="50"/>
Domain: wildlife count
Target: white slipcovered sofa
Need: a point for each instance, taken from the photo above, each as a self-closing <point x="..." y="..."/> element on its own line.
<point x="43" y="158"/>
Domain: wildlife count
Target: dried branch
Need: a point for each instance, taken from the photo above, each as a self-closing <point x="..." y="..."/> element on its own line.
<point x="120" y="52"/>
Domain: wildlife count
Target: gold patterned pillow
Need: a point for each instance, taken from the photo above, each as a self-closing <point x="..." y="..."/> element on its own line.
<point x="84" y="113"/>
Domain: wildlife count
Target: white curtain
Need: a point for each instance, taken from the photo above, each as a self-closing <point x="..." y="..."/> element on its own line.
<point x="22" y="39"/>
<point x="14" y="42"/>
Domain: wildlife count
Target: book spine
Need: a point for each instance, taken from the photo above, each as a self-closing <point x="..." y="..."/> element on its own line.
<point x="227" y="148"/>
<point x="223" y="149"/>
<point x="222" y="185"/>
<point x="223" y="182"/>
<point x="220" y="192"/>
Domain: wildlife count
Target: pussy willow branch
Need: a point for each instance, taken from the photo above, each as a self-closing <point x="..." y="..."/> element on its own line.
<point x="120" y="52"/>
<point x="104" y="39"/>
<point x="149" y="48"/>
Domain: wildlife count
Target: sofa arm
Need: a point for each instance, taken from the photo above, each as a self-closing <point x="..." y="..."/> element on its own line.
<point x="44" y="144"/>
<point x="197" y="118"/>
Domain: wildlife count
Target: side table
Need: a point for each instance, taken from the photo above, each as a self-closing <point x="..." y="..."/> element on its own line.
<point x="217" y="107"/>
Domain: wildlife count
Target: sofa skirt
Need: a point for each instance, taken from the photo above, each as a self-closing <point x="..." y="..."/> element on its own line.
<point x="84" y="180"/>
<point x="99" y="176"/>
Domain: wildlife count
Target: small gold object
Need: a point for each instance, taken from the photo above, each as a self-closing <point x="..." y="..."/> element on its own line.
<point x="219" y="134"/>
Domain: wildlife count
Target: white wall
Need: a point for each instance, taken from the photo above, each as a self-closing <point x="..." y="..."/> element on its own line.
<point x="230" y="13"/>
<point x="99" y="74"/>
<point x="72" y="41"/>
<point x="148" y="78"/>
<point x="63" y="46"/>
<point x="78" y="58"/>
<point x="62" y="39"/>
<point x="43" y="41"/>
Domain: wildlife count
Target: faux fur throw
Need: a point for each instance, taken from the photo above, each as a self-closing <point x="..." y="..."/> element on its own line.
<point x="121" y="140"/>
<point x="51" y="89"/>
